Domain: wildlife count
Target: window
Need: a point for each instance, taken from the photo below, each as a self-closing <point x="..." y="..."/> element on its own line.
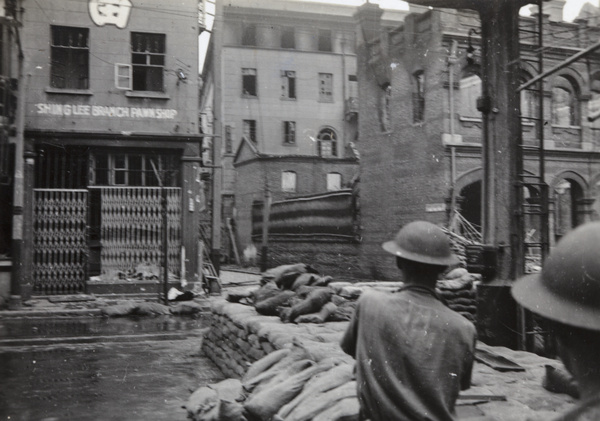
<point x="324" y="40"/>
<point x="250" y="130"/>
<point x="352" y="86"/>
<point x="289" y="132"/>
<point x="133" y="169"/>
<point x="288" y="84"/>
<point x="334" y="181"/>
<point x="249" y="34"/>
<point x="529" y="101"/>
<point x="288" y="37"/>
<point x="228" y="139"/>
<point x="69" y="58"/>
<point x="288" y="181"/>
<point x="327" y="143"/>
<point x="249" y="82"/>
<point x="148" y="61"/>
<point x="470" y="90"/>
<point x="325" y="87"/>
<point x="418" y="97"/>
<point x="565" y="106"/>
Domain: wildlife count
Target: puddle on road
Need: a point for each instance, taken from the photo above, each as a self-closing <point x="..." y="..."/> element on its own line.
<point x="144" y="380"/>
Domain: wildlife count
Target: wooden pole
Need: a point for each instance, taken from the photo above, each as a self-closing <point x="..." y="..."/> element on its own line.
<point x="265" y="230"/>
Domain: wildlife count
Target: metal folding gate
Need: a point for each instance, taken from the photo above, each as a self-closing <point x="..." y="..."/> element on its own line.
<point x="59" y="241"/>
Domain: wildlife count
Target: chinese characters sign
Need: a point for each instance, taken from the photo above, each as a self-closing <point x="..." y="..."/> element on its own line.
<point x="110" y="12"/>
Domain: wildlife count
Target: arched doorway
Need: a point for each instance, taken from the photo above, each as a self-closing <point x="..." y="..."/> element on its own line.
<point x="567" y="192"/>
<point x="470" y="208"/>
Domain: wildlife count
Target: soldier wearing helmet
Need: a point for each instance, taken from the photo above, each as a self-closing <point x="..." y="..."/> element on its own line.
<point x="566" y="294"/>
<point x="413" y="354"/>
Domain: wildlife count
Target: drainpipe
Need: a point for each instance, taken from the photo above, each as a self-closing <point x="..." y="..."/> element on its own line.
<point x="19" y="181"/>
<point x="452" y="60"/>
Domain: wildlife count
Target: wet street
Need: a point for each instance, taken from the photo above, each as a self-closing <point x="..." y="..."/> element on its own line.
<point x="100" y="369"/>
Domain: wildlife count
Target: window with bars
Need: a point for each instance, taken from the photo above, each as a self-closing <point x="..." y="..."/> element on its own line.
<point x="250" y="130"/>
<point x="418" y="97"/>
<point x="288" y="37"/>
<point x="289" y="132"/>
<point x="288" y="84"/>
<point x="325" y="87"/>
<point x="129" y="169"/>
<point x="249" y="82"/>
<point x="148" y="61"/>
<point x="324" y="40"/>
<point x="70" y="50"/>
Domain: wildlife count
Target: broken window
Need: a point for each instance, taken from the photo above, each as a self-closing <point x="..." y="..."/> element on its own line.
<point x="249" y="82"/>
<point x="324" y="39"/>
<point x="289" y="132"/>
<point x="325" y="87"/>
<point x="69" y="58"/>
<point x="288" y="37"/>
<point x="148" y="61"/>
<point x="250" y="130"/>
<point x="288" y="84"/>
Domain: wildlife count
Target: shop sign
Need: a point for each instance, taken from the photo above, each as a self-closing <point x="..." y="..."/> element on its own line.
<point x="61" y="110"/>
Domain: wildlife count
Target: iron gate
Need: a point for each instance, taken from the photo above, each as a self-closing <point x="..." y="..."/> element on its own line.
<point x="60" y="245"/>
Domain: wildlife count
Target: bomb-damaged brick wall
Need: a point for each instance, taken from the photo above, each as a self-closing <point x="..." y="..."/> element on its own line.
<point x="404" y="170"/>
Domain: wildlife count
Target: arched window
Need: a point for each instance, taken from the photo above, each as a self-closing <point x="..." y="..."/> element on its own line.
<point x="288" y="181"/>
<point x="529" y="100"/>
<point x="470" y="90"/>
<point x="594" y="102"/>
<point x="327" y="143"/>
<point x="565" y="105"/>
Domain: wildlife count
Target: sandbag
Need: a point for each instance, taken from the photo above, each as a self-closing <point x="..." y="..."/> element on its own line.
<point x="456" y="273"/>
<point x="265" y="404"/>
<point x="119" y="310"/>
<point x="303" y="279"/>
<point x="344" y="410"/>
<point x="318" y="384"/>
<point x="313" y="303"/>
<point x="202" y="405"/>
<point x="278" y="367"/>
<point x="186" y="307"/>
<point x="266" y="291"/>
<point x="322" y="401"/>
<point x="269" y="307"/>
<point x="228" y="389"/>
<point x="150" y="309"/>
<point x="323" y="281"/>
<point x="344" y="312"/>
<point x="320" y="317"/>
<point x="264" y="363"/>
<point x="288" y="372"/>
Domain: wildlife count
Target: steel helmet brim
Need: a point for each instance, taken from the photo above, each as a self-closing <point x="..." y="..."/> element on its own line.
<point x="531" y="293"/>
<point x="393" y="248"/>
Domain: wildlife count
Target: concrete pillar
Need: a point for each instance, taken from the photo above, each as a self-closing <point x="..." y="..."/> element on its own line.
<point x="190" y="217"/>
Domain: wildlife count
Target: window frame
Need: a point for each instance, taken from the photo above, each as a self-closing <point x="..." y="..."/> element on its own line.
<point x="285" y="182"/>
<point x="249" y="75"/>
<point x="289" y="133"/>
<point x="249" y="130"/>
<point x="339" y="181"/>
<point x="145" y="173"/>
<point x="150" y="66"/>
<point x="325" y="40"/>
<point x="325" y="87"/>
<point x="327" y="136"/>
<point x="418" y="97"/>
<point x="288" y="37"/>
<point x="72" y="72"/>
<point x="564" y="83"/>
<point x="288" y="85"/>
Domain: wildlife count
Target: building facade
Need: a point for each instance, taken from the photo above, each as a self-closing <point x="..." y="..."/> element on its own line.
<point x="420" y="133"/>
<point x="110" y="141"/>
